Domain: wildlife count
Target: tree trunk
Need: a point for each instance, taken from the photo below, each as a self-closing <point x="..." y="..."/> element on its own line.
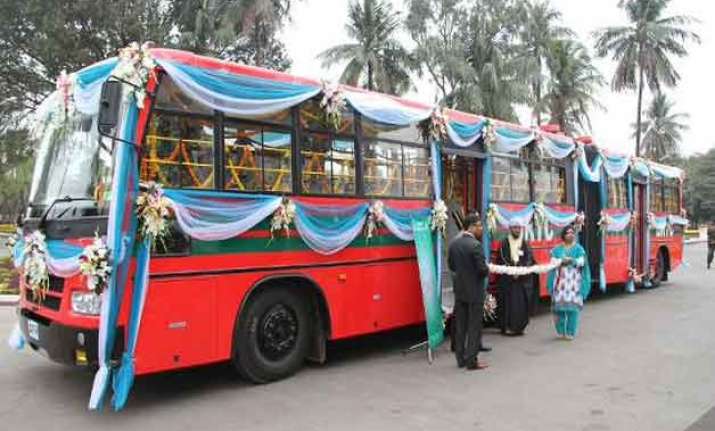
<point x="369" y="76"/>
<point x="638" y="117"/>
<point x="537" y="96"/>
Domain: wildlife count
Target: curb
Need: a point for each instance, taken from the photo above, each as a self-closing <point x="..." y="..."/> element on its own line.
<point x="9" y="300"/>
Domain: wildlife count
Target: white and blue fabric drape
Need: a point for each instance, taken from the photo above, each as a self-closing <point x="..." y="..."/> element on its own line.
<point x="121" y="230"/>
<point x="236" y="94"/>
<point x="329" y="229"/>
<point x="630" y="284"/>
<point x="463" y="134"/>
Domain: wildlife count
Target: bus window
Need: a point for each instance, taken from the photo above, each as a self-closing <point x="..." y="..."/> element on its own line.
<point x="656" y="195"/>
<point x="170" y="97"/>
<point x="257" y="158"/>
<point x="501" y="186"/>
<point x="417" y="177"/>
<point x="312" y="118"/>
<point x="374" y="130"/>
<point x="510" y="180"/>
<point x="383" y="169"/>
<point x="671" y="196"/>
<point x="178" y="151"/>
<point x="617" y="193"/>
<point x="549" y="183"/>
<point x="328" y="164"/>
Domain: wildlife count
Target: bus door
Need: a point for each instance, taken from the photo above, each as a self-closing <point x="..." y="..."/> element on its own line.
<point x="460" y="189"/>
<point x="590" y="204"/>
<point x="639" y="201"/>
<point x="461" y="192"/>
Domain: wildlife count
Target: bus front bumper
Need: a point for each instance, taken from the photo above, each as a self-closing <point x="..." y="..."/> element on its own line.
<point x="64" y="344"/>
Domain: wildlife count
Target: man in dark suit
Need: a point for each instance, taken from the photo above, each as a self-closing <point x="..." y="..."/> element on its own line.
<point x="469" y="270"/>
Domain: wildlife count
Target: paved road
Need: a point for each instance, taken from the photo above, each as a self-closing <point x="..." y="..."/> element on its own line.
<point x="643" y="361"/>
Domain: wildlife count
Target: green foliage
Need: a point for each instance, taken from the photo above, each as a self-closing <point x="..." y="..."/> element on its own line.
<point x="573" y="82"/>
<point x="700" y="186"/>
<point x="9" y="283"/>
<point x="437" y="27"/>
<point x="16" y="157"/>
<point x="376" y="59"/>
<point x="242" y="30"/>
<point x="661" y="129"/>
<point x="643" y="49"/>
<point x="540" y="30"/>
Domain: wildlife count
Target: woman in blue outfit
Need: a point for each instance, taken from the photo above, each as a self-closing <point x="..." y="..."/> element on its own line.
<point x="569" y="284"/>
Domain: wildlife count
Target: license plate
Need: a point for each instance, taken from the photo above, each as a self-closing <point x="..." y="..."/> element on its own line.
<point x="33" y="330"/>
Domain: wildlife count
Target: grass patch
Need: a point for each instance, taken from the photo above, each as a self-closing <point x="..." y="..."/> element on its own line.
<point x="8" y="228"/>
<point x="9" y="283"/>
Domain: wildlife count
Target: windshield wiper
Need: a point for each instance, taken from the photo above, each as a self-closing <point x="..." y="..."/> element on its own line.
<point x="43" y="218"/>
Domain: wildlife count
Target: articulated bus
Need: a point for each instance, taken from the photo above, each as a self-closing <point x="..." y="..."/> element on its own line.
<point x="269" y="304"/>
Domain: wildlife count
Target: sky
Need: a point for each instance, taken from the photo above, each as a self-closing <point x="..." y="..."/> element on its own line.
<point x="319" y="24"/>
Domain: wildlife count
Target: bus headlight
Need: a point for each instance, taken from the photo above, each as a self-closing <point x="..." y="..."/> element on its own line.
<point x="86" y="303"/>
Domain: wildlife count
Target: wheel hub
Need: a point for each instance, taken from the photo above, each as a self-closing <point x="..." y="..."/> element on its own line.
<point x="277" y="332"/>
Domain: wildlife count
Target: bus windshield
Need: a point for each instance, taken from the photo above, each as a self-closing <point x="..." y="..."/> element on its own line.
<point x="72" y="164"/>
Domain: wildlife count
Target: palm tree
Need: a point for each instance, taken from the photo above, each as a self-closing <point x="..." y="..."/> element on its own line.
<point x="662" y="129"/>
<point x="492" y="51"/>
<point x="643" y="49"/>
<point x="574" y="80"/>
<point x="540" y="29"/>
<point x="375" y="59"/>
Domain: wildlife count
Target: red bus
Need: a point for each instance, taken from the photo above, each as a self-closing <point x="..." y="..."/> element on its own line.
<point x="267" y="304"/>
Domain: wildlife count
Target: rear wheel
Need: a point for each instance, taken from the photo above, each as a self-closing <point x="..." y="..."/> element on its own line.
<point x="658" y="269"/>
<point x="273" y="335"/>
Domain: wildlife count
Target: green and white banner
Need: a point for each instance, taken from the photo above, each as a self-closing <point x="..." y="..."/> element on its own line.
<point x="429" y="281"/>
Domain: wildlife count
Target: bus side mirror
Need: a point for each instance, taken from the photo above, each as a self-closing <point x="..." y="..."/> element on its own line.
<point x="109" y="105"/>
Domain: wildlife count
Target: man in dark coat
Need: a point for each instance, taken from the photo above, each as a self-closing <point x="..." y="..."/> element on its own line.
<point x="514" y="296"/>
<point x="469" y="270"/>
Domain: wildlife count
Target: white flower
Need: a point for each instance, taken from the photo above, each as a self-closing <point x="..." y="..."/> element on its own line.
<point x="94" y="265"/>
<point x="283" y="217"/>
<point x="375" y="217"/>
<point x="439" y="216"/>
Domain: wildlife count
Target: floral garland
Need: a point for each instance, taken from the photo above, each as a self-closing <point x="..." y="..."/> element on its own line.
<point x="518" y="271"/>
<point x="333" y="103"/>
<point x="540" y="220"/>
<point x="492" y="218"/>
<point x="490" y="307"/>
<point x="11" y="242"/>
<point x="283" y="217"/>
<point x="634" y="218"/>
<point x="635" y="276"/>
<point x="37" y="276"/>
<point x="153" y="212"/>
<point x="65" y="89"/>
<point x="434" y="127"/>
<point x="95" y="266"/>
<point x="439" y="216"/>
<point x="579" y="221"/>
<point x="375" y="217"/>
<point x="135" y="68"/>
<point x="489" y="136"/>
<point x="604" y="221"/>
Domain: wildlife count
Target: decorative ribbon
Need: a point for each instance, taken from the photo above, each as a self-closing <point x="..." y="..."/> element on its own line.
<point x="524" y="270"/>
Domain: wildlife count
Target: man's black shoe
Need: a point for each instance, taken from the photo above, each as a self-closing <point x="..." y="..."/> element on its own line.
<point x="485" y="349"/>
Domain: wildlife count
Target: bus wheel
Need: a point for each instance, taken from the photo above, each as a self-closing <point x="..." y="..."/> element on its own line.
<point x="273" y="335"/>
<point x="659" y="270"/>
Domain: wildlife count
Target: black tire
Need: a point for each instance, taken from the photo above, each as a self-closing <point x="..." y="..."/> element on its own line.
<point x="659" y="270"/>
<point x="272" y="338"/>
